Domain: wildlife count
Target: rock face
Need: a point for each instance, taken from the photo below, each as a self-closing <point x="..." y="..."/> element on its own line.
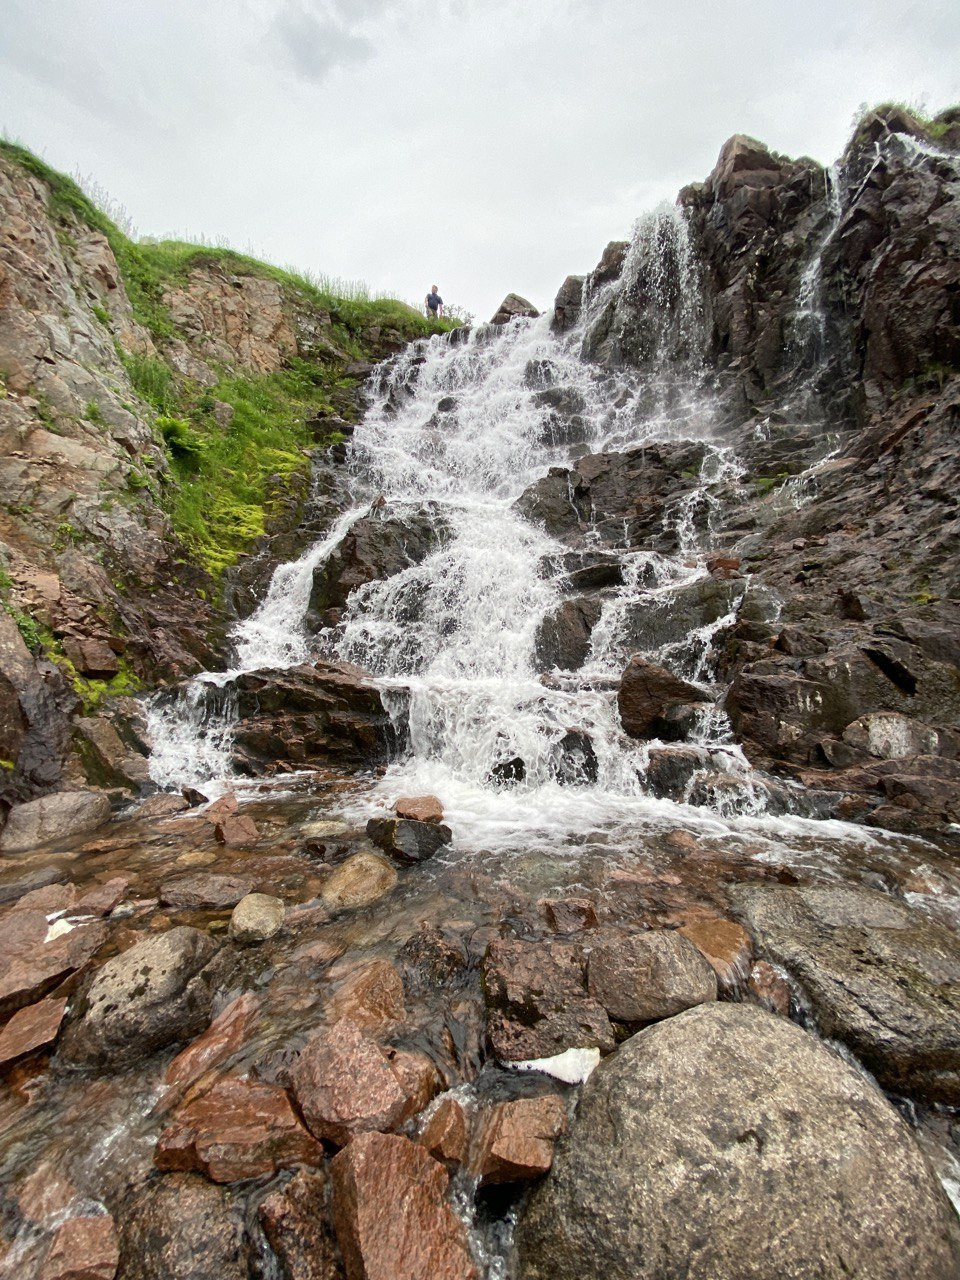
<point x="391" y="1216"/>
<point x="688" y="1135"/>
<point x="882" y="978"/>
<point x="159" y="991"/>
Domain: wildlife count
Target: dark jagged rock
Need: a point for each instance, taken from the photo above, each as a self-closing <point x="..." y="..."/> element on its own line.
<point x="406" y="840"/>
<point x="688" y="1137"/>
<point x="513" y="306"/>
<point x="646" y="693"/>
<point x="567" y="304"/>
<point x="563" y="638"/>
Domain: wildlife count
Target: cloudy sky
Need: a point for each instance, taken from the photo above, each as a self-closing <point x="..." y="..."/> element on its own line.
<point x="477" y="144"/>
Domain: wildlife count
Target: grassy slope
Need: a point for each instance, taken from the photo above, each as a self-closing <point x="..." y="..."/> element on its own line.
<point x="225" y="483"/>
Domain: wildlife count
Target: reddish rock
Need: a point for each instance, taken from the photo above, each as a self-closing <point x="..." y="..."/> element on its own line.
<point x="236" y="829"/>
<point x="727" y="947"/>
<point x="419" y="808"/>
<point x="45" y="1193"/>
<point x="30" y="966"/>
<point x="92" y="658"/>
<point x="102" y="900"/>
<point x="220" y="808"/>
<point x="200" y="889"/>
<point x="515" y="1140"/>
<point x="536" y="1002"/>
<point x="446" y="1134"/>
<point x="239" y="1129"/>
<point x="681" y="842"/>
<point x="569" y="915"/>
<point x="391" y="1215"/>
<point x="645" y="693"/>
<point x="294" y="1220"/>
<point x="770" y="988"/>
<point x="344" y="1084"/>
<point x="418" y="1076"/>
<point x="723" y="566"/>
<point x="649" y="975"/>
<point x="31" y="1028"/>
<point x="372" y="997"/>
<point x="222" y="1039"/>
<point x="83" y="1249"/>
<point x="48" y="899"/>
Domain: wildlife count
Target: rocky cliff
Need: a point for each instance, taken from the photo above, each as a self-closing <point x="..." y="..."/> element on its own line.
<point x="163" y="409"/>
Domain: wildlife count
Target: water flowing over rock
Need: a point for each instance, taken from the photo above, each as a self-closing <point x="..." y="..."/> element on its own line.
<point x="511" y="307"/>
<point x="688" y="1135"/>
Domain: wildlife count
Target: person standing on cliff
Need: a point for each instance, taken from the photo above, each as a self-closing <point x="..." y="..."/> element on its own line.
<point x="434" y="303"/>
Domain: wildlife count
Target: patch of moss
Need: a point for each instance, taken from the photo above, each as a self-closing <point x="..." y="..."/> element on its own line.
<point x="764" y="484"/>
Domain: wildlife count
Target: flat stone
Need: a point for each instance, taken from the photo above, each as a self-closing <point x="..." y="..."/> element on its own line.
<point x="391" y="1214"/>
<point x="222" y="1039"/>
<point x="358" y="880"/>
<point x="569" y="915"/>
<point x="649" y="975"/>
<point x="101" y="900"/>
<point x="53" y="818"/>
<point x="515" y="1140"/>
<point x="200" y="889"/>
<point x="419" y="808"/>
<point x="239" y="1129"/>
<point x="32" y="963"/>
<point x="344" y="1084"/>
<point x="31" y="1028"/>
<point x="84" y="1248"/>
<point x="256" y="918"/>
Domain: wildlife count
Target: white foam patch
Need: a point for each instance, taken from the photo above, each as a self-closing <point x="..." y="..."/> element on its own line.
<point x="573" y="1066"/>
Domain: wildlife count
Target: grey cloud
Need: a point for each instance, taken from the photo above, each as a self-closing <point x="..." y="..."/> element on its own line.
<point x="314" y="40"/>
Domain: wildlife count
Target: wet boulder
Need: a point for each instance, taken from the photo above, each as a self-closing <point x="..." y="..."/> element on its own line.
<point x="727" y="1142"/>
<point x="563" y="637"/>
<point x="649" y="626"/>
<point x="183" y="1228"/>
<point x="362" y="878"/>
<point x="573" y="761"/>
<point x="513" y="306"/>
<point x="537" y="1002"/>
<point x="256" y="918"/>
<point x="646" y="693"/>
<point x="649" y="976"/>
<point x="53" y="818"/>
<point x="881" y="977"/>
<point x="159" y="991"/>
<point x="196" y="890"/>
<point x="567" y="304"/>
<point x="294" y="1220"/>
<point x="375" y="547"/>
<point x="406" y="840"/>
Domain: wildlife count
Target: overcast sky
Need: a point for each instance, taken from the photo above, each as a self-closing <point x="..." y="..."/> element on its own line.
<point x="477" y="144"/>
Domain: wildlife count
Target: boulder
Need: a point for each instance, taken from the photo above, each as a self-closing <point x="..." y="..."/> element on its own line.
<point x="294" y="1220"/>
<point x="391" y="1214"/>
<point x="725" y="1143"/>
<point x="725" y="945"/>
<point x="238" y="1129"/>
<point x="648" y="976"/>
<point x="376" y="547"/>
<point x="407" y="841"/>
<point x="446" y="1133"/>
<point x="646" y="692"/>
<point x="35" y="960"/>
<point x="52" y="819"/>
<point x="371" y="997"/>
<point x="236" y="829"/>
<point x="183" y="1228"/>
<point x="256" y="918"/>
<point x="569" y="915"/>
<point x="159" y="991"/>
<point x="882" y="978"/>
<point x="199" y="889"/>
<point x="419" y="808"/>
<point x="537" y="1003"/>
<point x="511" y="307"/>
<point x="221" y="1040"/>
<point x="563" y="637"/>
<point x="359" y="880"/>
<point x="567" y="304"/>
<point x="344" y="1085"/>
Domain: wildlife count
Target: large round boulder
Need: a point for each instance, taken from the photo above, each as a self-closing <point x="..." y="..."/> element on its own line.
<point x="729" y="1144"/>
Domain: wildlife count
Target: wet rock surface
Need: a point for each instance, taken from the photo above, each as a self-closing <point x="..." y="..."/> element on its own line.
<point x="406" y="840"/>
<point x="882" y="979"/>
<point x="688" y="1131"/>
<point x="649" y="976"/>
<point x="183" y="1227"/>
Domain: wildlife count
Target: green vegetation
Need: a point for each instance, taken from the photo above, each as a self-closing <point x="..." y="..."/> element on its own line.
<point x="27" y="625"/>
<point x="764" y="484"/>
<point x="228" y="472"/>
<point x="934" y="127"/>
